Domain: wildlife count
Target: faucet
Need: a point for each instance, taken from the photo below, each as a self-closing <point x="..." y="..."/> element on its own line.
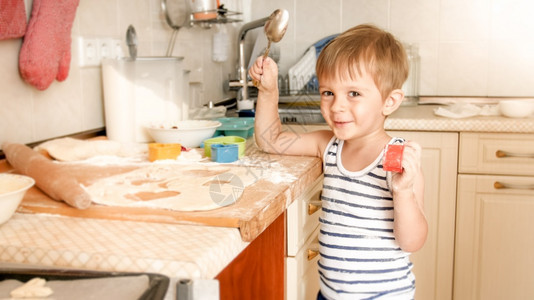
<point x="242" y="81"/>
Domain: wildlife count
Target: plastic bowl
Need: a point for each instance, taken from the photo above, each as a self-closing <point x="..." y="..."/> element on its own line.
<point x="12" y="190"/>
<point x="225" y="140"/>
<point x="516" y="108"/>
<point x="188" y="133"/>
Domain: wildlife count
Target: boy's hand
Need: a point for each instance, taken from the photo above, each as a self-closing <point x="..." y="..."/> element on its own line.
<point x="411" y="164"/>
<point x="265" y="72"/>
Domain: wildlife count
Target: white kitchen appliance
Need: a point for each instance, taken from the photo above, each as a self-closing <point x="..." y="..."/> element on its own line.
<point x="143" y="92"/>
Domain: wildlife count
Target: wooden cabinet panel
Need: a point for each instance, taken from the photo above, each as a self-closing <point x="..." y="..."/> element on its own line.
<point x="258" y="271"/>
<point x="494" y="239"/>
<point x="303" y="219"/>
<point x="433" y="264"/>
<point x="302" y="275"/>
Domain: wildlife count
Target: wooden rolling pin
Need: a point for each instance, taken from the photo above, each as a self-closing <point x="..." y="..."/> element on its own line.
<point x="49" y="176"/>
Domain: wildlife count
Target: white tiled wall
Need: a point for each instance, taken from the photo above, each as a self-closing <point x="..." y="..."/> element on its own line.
<point x="467" y="48"/>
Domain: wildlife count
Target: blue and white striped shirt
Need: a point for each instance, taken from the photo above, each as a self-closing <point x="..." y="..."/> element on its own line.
<point x="360" y="258"/>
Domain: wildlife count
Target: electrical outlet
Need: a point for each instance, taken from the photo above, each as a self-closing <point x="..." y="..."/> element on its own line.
<point x="116" y="45"/>
<point x="88" y="52"/>
<point x="93" y="50"/>
<point x="105" y="48"/>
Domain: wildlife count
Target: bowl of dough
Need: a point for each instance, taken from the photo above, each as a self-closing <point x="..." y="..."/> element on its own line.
<point x="13" y="187"/>
<point x="188" y="133"/>
<point x="516" y="108"/>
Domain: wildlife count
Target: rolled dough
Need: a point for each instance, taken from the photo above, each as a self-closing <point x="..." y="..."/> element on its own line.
<point x="174" y="187"/>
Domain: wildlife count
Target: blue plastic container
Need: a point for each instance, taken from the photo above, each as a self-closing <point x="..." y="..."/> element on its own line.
<point x="224" y="153"/>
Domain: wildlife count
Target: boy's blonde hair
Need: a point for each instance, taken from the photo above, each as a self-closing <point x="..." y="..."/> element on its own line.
<point x="368" y="47"/>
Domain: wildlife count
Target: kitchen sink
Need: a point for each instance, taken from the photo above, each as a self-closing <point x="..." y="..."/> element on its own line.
<point x="301" y="109"/>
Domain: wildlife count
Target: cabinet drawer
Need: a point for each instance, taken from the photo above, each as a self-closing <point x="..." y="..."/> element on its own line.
<point x="303" y="217"/>
<point x="302" y="277"/>
<point x="489" y="153"/>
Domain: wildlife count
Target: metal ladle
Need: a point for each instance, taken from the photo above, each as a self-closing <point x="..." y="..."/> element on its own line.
<point x="275" y="28"/>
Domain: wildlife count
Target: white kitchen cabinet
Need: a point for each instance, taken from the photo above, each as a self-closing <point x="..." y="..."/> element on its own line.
<point x="302" y="277"/>
<point x="495" y="205"/>
<point x="433" y="264"/>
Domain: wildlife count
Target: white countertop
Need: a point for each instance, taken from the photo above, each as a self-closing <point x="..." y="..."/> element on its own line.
<point x="178" y="251"/>
<point x="422" y="118"/>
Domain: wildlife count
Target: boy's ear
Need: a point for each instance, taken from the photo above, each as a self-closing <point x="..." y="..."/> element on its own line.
<point x="392" y="102"/>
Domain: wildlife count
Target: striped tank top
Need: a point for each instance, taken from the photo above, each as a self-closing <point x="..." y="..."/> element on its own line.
<point x="359" y="256"/>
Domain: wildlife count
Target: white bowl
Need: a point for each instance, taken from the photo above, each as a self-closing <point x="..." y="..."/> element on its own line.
<point x="12" y="190"/>
<point x="516" y="108"/>
<point x="188" y="133"/>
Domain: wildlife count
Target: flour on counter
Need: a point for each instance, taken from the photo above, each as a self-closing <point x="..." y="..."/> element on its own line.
<point x="277" y="177"/>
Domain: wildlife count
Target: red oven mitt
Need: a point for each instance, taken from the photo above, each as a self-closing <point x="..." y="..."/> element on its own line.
<point x="393" y="158"/>
<point x="12" y="19"/>
<point x="45" y="53"/>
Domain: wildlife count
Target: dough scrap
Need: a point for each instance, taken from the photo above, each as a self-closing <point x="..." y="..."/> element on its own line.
<point x="70" y="149"/>
<point x="34" y="288"/>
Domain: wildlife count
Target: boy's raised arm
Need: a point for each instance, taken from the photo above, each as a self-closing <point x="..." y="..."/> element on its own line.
<point x="268" y="128"/>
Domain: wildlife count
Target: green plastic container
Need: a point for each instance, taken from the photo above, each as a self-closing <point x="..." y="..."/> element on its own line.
<point x="225" y="140"/>
<point x="243" y="127"/>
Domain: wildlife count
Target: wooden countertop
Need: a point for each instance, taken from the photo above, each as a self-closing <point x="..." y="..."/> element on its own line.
<point x="176" y="249"/>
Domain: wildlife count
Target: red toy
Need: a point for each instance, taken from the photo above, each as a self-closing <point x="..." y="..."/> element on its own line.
<point x="393" y="158"/>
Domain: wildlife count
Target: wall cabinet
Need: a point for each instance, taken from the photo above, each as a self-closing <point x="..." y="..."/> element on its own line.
<point x="495" y="205"/>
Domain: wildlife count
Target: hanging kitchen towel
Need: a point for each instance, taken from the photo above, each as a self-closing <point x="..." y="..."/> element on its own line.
<point x="12" y="19"/>
<point x="45" y="53"/>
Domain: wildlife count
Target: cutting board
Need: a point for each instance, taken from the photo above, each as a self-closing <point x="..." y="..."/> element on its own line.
<point x="259" y="205"/>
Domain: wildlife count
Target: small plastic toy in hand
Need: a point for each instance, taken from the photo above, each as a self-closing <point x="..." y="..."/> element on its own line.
<point x="393" y="158"/>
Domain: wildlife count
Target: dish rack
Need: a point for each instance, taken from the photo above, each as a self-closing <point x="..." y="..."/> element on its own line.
<point x="303" y="72"/>
<point x="301" y="77"/>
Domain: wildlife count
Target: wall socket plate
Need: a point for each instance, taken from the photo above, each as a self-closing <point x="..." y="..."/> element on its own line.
<point x="91" y="51"/>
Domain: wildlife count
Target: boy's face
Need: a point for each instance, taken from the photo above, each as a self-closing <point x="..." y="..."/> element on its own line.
<point x="353" y="108"/>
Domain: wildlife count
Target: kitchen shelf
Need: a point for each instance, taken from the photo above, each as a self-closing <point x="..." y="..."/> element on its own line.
<point x="223" y="16"/>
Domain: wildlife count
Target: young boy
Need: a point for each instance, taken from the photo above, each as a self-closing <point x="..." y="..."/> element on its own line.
<point x="371" y="219"/>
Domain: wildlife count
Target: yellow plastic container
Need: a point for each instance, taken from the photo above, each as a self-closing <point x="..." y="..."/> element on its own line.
<point x="225" y="140"/>
<point x="158" y="151"/>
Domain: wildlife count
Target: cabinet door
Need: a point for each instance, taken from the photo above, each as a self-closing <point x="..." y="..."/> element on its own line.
<point x="433" y="264"/>
<point x="494" y="239"/>
<point x="302" y="275"/>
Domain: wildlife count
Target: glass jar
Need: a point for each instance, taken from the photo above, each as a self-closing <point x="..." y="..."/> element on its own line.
<point x="411" y="86"/>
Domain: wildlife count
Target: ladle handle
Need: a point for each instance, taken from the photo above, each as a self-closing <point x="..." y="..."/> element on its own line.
<point x="265" y="54"/>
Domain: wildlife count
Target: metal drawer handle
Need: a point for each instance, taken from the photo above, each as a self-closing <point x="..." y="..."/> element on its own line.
<point x="501" y="185"/>
<point x="314" y="206"/>
<point x="313" y="251"/>
<point x="502" y="153"/>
